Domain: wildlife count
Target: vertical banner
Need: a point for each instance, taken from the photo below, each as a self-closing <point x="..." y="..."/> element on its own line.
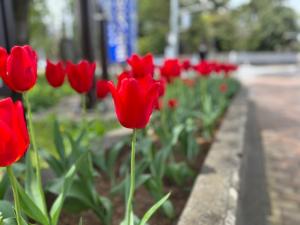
<point x="121" y="28"/>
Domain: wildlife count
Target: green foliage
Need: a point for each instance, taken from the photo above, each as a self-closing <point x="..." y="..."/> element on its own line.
<point x="40" y="36"/>
<point x="96" y="129"/>
<point x="153" y="25"/>
<point x="43" y="96"/>
<point x="81" y="194"/>
<point x="257" y="25"/>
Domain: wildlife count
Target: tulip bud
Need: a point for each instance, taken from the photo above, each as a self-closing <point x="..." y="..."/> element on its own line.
<point x="81" y="75"/>
<point x="102" y="89"/>
<point x="21" y="68"/>
<point x="141" y="66"/>
<point x="170" y="69"/>
<point x="134" y="99"/>
<point x="14" y="140"/>
<point x="55" y="74"/>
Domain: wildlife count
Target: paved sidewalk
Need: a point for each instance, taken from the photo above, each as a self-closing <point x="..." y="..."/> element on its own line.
<point x="277" y="100"/>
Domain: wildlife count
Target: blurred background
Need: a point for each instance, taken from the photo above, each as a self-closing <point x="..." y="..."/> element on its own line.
<point x="261" y="36"/>
<point x="244" y="30"/>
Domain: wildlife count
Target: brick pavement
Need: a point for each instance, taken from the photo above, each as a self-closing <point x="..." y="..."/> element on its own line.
<point x="277" y="101"/>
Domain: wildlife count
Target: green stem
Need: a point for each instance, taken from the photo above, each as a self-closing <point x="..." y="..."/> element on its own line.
<point x="83" y="105"/>
<point x="36" y="154"/>
<point x="83" y="111"/>
<point x="203" y="88"/>
<point x="15" y="194"/>
<point x="132" y="179"/>
<point x="163" y="118"/>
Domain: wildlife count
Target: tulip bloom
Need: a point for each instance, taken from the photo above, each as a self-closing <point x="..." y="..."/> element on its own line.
<point x="3" y="59"/>
<point x="55" y="74"/>
<point x="215" y="66"/>
<point x="134" y="99"/>
<point x="172" y="103"/>
<point x="14" y="140"/>
<point x="141" y="66"/>
<point x="163" y="87"/>
<point x="170" y="69"/>
<point x="102" y="89"/>
<point x="227" y="68"/>
<point x="223" y="88"/>
<point x="189" y="82"/>
<point x="186" y="64"/>
<point x="203" y="68"/>
<point x="19" y="72"/>
<point x="81" y="75"/>
<point x="158" y="105"/>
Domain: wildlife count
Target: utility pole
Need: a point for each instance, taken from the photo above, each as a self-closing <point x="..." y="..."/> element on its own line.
<point x="175" y="12"/>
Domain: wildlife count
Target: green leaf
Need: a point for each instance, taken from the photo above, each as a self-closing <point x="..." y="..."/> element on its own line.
<point x="153" y="209"/>
<point x="168" y="209"/>
<point x="31" y="185"/>
<point x="6" y="209"/>
<point x="4" y="184"/>
<point x="179" y="172"/>
<point x="56" y="165"/>
<point x="100" y="160"/>
<point x="30" y="208"/>
<point x="176" y="133"/>
<point x="80" y="221"/>
<point x="67" y="184"/>
<point x="57" y="205"/>
<point x="10" y="221"/>
<point x="58" y="141"/>
<point x="112" y="157"/>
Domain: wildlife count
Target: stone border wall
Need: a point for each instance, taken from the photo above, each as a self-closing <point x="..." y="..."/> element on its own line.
<point x="215" y="195"/>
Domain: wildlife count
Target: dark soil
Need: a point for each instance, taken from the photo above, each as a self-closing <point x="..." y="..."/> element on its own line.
<point x="143" y="200"/>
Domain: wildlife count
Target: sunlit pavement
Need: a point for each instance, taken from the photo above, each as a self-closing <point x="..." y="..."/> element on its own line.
<point x="275" y="91"/>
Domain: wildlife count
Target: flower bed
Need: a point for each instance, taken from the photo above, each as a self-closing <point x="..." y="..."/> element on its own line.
<point x="153" y="170"/>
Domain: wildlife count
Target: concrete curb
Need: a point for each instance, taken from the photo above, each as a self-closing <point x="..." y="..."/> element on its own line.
<point x="214" y="198"/>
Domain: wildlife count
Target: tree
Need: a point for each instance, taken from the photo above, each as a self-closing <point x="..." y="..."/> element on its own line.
<point x="267" y="25"/>
<point x="153" y="25"/>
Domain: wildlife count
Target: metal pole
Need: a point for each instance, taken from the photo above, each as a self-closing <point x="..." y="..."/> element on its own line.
<point x="103" y="43"/>
<point x="87" y="45"/>
<point x="9" y="37"/>
<point x="173" y="35"/>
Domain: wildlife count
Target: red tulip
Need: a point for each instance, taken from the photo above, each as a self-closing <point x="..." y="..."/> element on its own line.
<point x="158" y="105"/>
<point x="134" y="99"/>
<point x="163" y="86"/>
<point x="81" y="75"/>
<point x="21" y="68"/>
<point x="172" y="103"/>
<point x="141" y="66"/>
<point x="55" y="74"/>
<point x="170" y="69"/>
<point x="14" y="135"/>
<point x="227" y="68"/>
<point x="102" y="89"/>
<point x="189" y="82"/>
<point x="203" y="68"/>
<point x="186" y="64"/>
<point x="223" y="88"/>
<point x="3" y="60"/>
<point x="215" y="66"/>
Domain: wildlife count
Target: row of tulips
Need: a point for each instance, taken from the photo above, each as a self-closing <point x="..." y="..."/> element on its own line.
<point x="181" y="104"/>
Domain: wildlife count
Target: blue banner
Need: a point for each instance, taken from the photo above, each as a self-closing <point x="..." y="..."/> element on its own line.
<point x="121" y="28"/>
